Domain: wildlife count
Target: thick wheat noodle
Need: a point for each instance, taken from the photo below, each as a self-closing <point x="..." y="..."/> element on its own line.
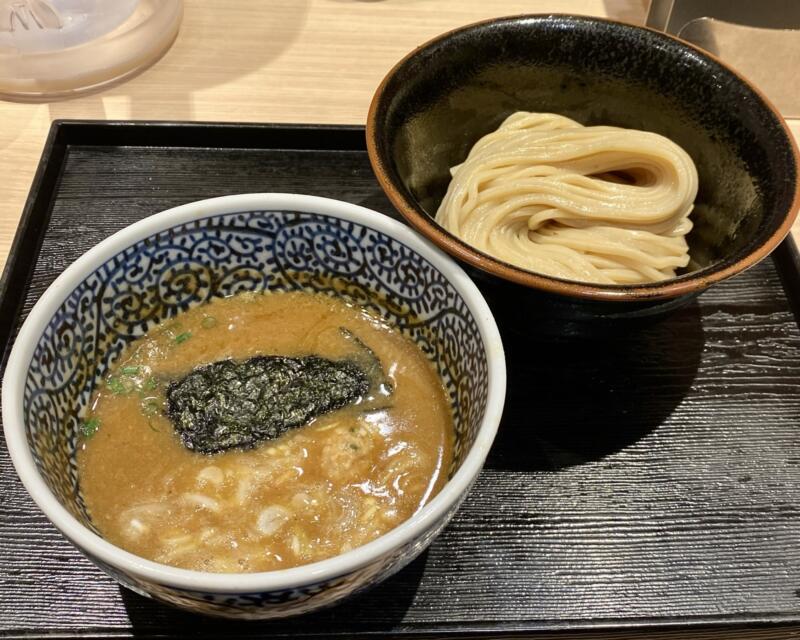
<point x="594" y="204"/>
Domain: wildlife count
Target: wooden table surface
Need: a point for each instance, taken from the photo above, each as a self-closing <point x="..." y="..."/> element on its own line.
<point x="314" y="61"/>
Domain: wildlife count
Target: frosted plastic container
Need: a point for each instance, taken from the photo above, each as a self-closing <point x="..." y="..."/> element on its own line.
<point x="58" y="48"/>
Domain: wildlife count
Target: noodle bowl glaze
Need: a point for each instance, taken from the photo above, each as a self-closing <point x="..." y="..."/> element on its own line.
<point x="445" y="96"/>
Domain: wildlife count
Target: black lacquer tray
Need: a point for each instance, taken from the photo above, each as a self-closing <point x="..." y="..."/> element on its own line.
<point x="642" y="484"/>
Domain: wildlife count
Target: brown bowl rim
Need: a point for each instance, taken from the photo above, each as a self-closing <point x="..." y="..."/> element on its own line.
<point x="679" y="286"/>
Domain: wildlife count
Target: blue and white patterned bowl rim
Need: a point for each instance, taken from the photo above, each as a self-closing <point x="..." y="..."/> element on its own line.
<point x="94" y="545"/>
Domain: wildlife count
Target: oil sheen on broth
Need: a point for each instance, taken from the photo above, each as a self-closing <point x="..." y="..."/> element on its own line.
<point x="318" y="490"/>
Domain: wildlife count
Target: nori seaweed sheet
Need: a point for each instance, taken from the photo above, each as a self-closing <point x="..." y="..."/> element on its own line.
<point x="233" y="403"/>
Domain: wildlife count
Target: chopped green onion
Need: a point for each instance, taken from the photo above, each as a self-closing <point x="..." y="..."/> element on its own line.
<point x="183" y="337"/>
<point x="115" y="385"/>
<point x="150" y="407"/>
<point x="90" y="427"/>
<point x="130" y="371"/>
<point x="150" y="384"/>
<point x="209" y="322"/>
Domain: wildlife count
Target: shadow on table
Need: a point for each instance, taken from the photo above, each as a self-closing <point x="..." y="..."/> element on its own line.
<point x="577" y="399"/>
<point x="378" y="610"/>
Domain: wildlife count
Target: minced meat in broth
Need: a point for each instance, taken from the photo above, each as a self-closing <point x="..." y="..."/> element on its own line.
<point x="318" y="490"/>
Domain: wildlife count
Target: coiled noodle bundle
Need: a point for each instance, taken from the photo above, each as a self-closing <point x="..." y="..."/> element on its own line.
<point x="594" y="204"/>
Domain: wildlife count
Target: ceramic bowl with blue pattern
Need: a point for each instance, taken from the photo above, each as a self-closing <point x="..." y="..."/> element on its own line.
<point x="183" y="257"/>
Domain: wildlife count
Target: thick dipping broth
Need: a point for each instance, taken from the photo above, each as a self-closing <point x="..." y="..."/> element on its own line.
<point x="316" y="491"/>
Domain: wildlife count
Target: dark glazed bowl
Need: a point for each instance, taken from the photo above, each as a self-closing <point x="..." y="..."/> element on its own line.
<point x="440" y="99"/>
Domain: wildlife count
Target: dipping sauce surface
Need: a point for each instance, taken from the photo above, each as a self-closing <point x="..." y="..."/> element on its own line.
<point x="319" y="490"/>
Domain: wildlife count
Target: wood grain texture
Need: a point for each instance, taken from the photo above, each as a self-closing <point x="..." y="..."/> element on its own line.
<point x="648" y="478"/>
<point x="316" y="61"/>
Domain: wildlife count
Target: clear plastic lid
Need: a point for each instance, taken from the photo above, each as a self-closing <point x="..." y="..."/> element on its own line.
<point x="59" y="48"/>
